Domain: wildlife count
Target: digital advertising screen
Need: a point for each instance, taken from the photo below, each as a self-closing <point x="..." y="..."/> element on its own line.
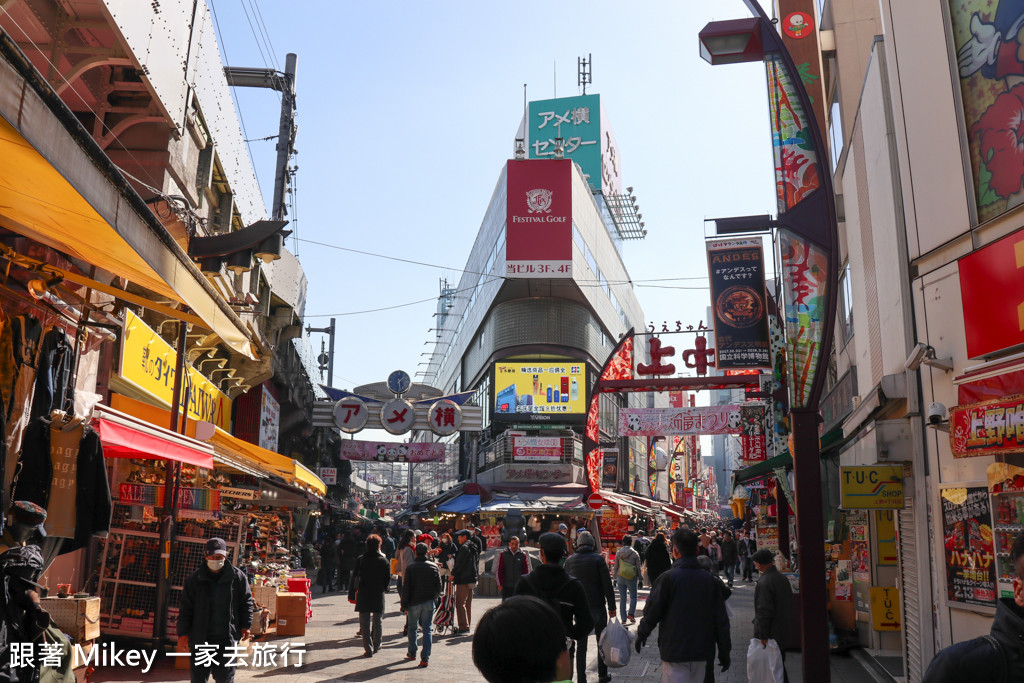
<point x="540" y="390"/>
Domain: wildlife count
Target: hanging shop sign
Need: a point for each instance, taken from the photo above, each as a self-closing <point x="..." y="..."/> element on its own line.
<point x="240" y="493"/>
<point x="752" y="435"/>
<point x="885" y="538"/>
<point x="872" y="487"/>
<point x="609" y="467"/>
<point x="885" y="608"/>
<point x="738" y="303"/>
<point x="445" y="417"/>
<point x="148" y="363"/>
<point x="188" y="498"/>
<point x="397" y="416"/>
<point x="683" y="421"/>
<point x="417" y="451"/>
<point x="987" y="428"/>
<point x="992" y="290"/>
<point x="538" y="228"/>
<point x="270" y="421"/>
<point x="351" y="414"/>
<point x="768" y="538"/>
<point x="969" y="548"/>
<point x="549" y="474"/>
<point x="390" y="498"/>
<point x="536" y="449"/>
<point x="539" y="390"/>
<point x="329" y="475"/>
<point x="687" y="500"/>
<point x="613" y="525"/>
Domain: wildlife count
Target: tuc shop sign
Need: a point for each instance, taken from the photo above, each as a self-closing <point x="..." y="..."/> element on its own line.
<point x="875" y="487"/>
<point x="987" y="427"/>
<point x="148" y="362"/>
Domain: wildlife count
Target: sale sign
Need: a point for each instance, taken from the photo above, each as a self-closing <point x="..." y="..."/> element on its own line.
<point x="538" y="229"/>
<point x="987" y="428"/>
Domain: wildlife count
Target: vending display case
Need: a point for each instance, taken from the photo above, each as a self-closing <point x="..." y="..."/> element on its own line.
<point x="1008" y="523"/>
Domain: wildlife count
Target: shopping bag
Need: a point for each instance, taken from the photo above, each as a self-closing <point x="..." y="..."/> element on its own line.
<point x="764" y="663"/>
<point x="616" y="644"/>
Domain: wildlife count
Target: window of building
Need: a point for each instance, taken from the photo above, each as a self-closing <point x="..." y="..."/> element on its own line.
<point x="845" y="304"/>
<point x="835" y="131"/>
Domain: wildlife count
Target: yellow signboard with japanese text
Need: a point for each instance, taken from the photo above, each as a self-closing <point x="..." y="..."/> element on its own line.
<point x="148" y="363"/>
<point x="885" y="609"/>
<point x="872" y="487"/>
<point x="540" y="389"/>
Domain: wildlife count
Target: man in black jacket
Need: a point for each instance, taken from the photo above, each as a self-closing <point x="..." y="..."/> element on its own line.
<point x="513" y="565"/>
<point x="688" y="606"/>
<point x="216" y="609"/>
<point x="421" y="587"/>
<point x="998" y="656"/>
<point x="587" y="565"/>
<point x="729" y="555"/>
<point x="464" y="575"/>
<point x="773" y="605"/>
<point x="551" y="583"/>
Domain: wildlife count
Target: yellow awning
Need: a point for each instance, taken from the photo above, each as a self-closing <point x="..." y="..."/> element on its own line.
<point x="52" y="191"/>
<point x="291" y="470"/>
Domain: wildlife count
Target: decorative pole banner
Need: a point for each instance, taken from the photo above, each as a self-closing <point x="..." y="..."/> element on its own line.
<point x="683" y="421"/>
<point x="738" y="302"/>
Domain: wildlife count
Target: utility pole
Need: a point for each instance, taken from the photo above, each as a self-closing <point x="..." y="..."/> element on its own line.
<point x="325" y="360"/>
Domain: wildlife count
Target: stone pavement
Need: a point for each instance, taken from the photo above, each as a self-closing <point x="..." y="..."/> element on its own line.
<point x="333" y="653"/>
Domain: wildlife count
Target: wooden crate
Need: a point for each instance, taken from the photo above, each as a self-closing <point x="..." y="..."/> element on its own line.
<point x="78" y="617"/>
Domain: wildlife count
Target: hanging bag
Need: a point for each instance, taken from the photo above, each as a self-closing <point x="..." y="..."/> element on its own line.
<point x="616" y="644"/>
<point x="764" y="662"/>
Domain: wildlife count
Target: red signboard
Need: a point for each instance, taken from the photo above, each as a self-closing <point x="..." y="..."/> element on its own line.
<point x="538" y="231"/>
<point x="613" y="526"/>
<point x="688" y="498"/>
<point x="987" y="428"/>
<point x="992" y="290"/>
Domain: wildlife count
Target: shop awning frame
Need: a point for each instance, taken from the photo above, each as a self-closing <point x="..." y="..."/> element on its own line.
<point x="289" y="469"/>
<point x="124" y="436"/>
<point x="465" y="504"/>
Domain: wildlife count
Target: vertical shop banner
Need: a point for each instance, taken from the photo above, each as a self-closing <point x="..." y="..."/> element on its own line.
<point x="270" y="420"/>
<point x="538" y="230"/>
<point x="688" y="498"/>
<point x="738" y="303"/>
<point x="969" y="548"/>
<point x="885" y="538"/>
<point x="805" y="297"/>
<point x="609" y="467"/>
<point x="885" y="609"/>
<point x="752" y="436"/>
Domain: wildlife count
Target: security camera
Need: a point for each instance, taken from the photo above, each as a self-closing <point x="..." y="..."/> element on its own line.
<point x="924" y="354"/>
<point x="936" y="414"/>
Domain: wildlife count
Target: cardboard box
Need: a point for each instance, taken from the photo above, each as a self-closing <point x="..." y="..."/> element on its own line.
<point x="266" y="596"/>
<point x="292" y="625"/>
<point x="291" y="605"/>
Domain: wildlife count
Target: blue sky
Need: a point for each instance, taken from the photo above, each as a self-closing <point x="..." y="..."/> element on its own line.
<point x="407" y="112"/>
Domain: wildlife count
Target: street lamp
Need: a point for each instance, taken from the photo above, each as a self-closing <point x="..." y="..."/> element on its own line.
<point x="808" y="237"/>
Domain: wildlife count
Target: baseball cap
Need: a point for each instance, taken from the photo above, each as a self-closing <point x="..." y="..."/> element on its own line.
<point x="215" y="546"/>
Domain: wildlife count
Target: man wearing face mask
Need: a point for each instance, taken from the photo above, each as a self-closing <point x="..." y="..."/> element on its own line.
<point x="216" y="608"/>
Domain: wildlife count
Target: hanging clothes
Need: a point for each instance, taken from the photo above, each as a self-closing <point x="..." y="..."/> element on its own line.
<point x="8" y="370"/>
<point x="25" y="332"/>
<point x="46" y="477"/>
<point x="53" y="372"/>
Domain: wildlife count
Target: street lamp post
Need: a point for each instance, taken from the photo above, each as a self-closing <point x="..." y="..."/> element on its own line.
<point x="810" y="251"/>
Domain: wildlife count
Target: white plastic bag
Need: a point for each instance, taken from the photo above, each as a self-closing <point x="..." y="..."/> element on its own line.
<point x="616" y="644"/>
<point x="764" y="663"/>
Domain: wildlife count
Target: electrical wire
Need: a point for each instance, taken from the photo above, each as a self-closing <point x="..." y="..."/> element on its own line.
<point x="389" y="308"/>
<point x="234" y="89"/>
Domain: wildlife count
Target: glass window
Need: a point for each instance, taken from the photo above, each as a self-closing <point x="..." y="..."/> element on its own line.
<point x="835" y="133"/>
<point x="845" y="304"/>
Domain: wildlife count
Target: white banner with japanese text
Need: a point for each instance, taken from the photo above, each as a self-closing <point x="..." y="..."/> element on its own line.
<point x="683" y="421"/>
<point x="392" y="452"/>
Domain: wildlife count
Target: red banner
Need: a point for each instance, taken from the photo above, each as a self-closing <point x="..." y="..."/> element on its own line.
<point x="688" y="498"/>
<point x="538" y="231"/>
<point x="992" y="290"/>
<point x="987" y="428"/>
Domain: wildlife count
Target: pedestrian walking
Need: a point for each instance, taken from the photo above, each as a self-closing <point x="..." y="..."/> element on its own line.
<point x="513" y="565"/>
<point x="715" y="552"/>
<point x="588" y="566"/>
<point x="705" y="563"/>
<point x="328" y="565"/>
<point x="687" y="607"/>
<point x="465" y="574"/>
<point x="370" y="580"/>
<point x="387" y="544"/>
<point x="215" y="613"/>
<point x="479" y="540"/>
<point x="346" y="560"/>
<point x="551" y="583"/>
<point x="747" y="547"/>
<point x="421" y="588"/>
<point x="405" y="554"/>
<point x="729" y="555"/>
<point x="998" y="656"/>
<point x="627" y="573"/>
<point x="521" y="640"/>
<point x="773" y="605"/>
<point x="658" y="559"/>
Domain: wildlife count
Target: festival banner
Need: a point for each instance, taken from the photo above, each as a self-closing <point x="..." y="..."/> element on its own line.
<point x="987" y="428"/>
<point x="738" y="302"/>
<point x="685" y="421"/>
<point x="969" y="550"/>
<point x="392" y="452"/>
<point x="752" y="436"/>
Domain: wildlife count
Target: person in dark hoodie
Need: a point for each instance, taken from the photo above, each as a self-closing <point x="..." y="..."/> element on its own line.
<point x="551" y="583"/>
<point x="998" y="656"/>
<point x="421" y="587"/>
<point x="588" y="565"/>
<point x="658" y="560"/>
<point x="216" y="609"/>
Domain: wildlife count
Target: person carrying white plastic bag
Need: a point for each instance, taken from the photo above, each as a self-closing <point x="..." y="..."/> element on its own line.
<point x="773" y="607"/>
<point x="764" y="662"/>
<point x="616" y="645"/>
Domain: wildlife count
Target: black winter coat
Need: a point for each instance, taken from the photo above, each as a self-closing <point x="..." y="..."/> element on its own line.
<point x="658" y="561"/>
<point x="197" y="598"/>
<point x="466" y="565"/>
<point x="422" y="583"/>
<point x="370" y="580"/>
<point x="977" y="660"/>
<point x="688" y="608"/>
<point x="588" y="565"/>
<point x="92" y="503"/>
<point x="729" y="552"/>
<point x="773" y="605"/>
<point x="550" y="582"/>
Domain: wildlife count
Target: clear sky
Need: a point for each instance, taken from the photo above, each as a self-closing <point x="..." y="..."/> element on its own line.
<point x="407" y="112"/>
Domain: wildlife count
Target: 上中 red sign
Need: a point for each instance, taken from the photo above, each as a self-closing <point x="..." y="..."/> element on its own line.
<point x="992" y="291"/>
<point x="538" y="230"/>
<point x="987" y="428"/>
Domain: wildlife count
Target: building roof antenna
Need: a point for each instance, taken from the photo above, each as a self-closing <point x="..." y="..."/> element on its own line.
<point x="585" y="69"/>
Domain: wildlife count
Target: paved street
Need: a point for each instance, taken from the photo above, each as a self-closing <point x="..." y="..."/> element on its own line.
<point x="335" y="654"/>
